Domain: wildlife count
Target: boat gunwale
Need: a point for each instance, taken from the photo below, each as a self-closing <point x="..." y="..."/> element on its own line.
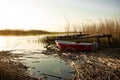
<point x="72" y="43"/>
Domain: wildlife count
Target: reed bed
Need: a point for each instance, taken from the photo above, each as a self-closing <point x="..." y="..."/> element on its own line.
<point x="104" y="26"/>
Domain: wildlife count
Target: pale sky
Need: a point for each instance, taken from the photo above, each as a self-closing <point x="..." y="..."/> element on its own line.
<point x="50" y="14"/>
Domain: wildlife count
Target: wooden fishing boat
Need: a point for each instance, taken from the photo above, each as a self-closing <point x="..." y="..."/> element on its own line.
<point x="68" y="45"/>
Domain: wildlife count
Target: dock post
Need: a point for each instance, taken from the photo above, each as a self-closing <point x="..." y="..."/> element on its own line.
<point x="98" y="40"/>
<point x="109" y="40"/>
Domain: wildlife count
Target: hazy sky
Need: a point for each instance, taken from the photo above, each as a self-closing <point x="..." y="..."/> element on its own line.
<point x="50" y="14"/>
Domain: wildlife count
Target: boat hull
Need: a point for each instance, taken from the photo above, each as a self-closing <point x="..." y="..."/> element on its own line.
<point x="66" y="45"/>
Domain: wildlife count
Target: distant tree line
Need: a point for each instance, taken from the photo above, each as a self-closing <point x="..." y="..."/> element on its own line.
<point x="8" y="32"/>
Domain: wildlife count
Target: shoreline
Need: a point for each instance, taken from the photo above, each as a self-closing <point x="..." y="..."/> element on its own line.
<point x="86" y="65"/>
<point x="98" y="65"/>
<point x="12" y="70"/>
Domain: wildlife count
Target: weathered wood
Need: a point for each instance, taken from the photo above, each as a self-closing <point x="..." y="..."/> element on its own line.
<point x="96" y="36"/>
<point x="98" y="40"/>
<point x="109" y="42"/>
<point x="83" y="36"/>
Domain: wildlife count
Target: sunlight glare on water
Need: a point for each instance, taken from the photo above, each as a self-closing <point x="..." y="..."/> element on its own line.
<point x="20" y="42"/>
<point x="36" y="61"/>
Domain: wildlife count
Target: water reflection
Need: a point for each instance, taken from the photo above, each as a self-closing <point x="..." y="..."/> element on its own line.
<point x="40" y="63"/>
<point x="31" y="47"/>
<point x="20" y="42"/>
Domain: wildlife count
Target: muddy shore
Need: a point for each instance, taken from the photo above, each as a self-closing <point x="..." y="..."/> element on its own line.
<point x="99" y="65"/>
<point x="12" y="70"/>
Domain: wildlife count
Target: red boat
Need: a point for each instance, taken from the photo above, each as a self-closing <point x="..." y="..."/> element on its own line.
<point x="67" y="45"/>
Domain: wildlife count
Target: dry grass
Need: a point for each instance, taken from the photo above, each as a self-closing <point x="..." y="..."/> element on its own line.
<point x="105" y="26"/>
<point x="98" y="68"/>
<point x="10" y="70"/>
<point x="101" y="65"/>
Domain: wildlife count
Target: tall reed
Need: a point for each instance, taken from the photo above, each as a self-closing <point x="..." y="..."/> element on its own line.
<point x="104" y="26"/>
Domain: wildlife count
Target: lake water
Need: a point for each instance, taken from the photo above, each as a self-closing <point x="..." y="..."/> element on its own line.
<point x="38" y="63"/>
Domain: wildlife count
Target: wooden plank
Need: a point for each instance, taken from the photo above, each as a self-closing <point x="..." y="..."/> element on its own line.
<point x="76" y="37"/>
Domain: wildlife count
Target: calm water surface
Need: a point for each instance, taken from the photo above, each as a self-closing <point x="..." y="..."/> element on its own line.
<point x="37" y="62"/>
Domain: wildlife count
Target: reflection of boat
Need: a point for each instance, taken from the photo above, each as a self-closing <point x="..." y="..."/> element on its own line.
<point x="67" y="45"/>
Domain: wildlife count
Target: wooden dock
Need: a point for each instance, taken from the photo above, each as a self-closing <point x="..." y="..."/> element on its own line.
<point x="78" y="37"/>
